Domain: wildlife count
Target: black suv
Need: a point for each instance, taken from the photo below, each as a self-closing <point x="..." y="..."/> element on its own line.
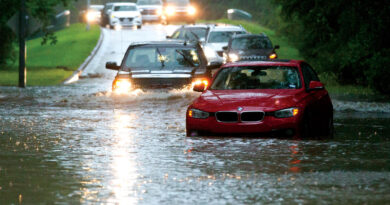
<point x="165" y="64"/>
<point x="249" y="47"/>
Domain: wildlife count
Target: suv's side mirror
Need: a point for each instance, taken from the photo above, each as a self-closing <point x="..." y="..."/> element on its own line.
<point x="199" y="87"/>
<point x="168" y="37"/>
<point x="315" y="85"/>
<point x="112" y="66"/>
<point x="225" y="48"/>
<point x="277" y="47"/>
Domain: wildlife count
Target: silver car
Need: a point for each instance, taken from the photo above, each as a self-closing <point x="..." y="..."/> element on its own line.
<point x="151" y="10"/>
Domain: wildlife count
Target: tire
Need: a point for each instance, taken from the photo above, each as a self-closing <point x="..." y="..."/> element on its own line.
<point x="139" y="26"/>
<point x="329" y="132"/>
<point x="306" y="128"/>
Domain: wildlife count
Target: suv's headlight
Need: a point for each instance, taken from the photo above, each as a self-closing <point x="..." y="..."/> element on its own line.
<point x="209" y="52"/>
<point x="198" y="114"/>
<point x="234" y="57"/>
<point x="285" y="113"/>
<point x="122" y="86"/>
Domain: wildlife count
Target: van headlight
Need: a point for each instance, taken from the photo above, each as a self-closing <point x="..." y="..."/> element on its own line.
<point x="198" y="114"/>
<point x="191" y="10"/>
<point x="285" y="113"/>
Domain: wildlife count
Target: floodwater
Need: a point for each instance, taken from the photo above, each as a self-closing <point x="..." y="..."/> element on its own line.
<point x="81" y="144"/>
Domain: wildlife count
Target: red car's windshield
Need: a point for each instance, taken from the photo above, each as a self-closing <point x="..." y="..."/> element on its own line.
<point x="257" y="77"/>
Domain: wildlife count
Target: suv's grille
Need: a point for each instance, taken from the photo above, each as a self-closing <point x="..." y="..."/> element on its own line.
<point x="253" y="58"/>
<point x="226" y="116"/>
<point x="149" y="12"/>
<point x="252" y="116"/>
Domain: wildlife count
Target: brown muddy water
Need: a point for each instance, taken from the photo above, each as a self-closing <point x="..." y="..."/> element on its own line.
<point x="79" y="144"/>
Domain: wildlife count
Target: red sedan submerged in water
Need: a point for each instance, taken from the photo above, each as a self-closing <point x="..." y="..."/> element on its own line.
<point x="283" y="97"/>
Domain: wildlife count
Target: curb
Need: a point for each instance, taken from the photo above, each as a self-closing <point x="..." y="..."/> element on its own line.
<point x="76" y="75"/>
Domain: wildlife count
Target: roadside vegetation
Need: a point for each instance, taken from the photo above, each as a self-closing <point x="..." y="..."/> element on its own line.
<point x="52" y="64"/>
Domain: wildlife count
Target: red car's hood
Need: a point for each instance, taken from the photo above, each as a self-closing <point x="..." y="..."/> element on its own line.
<point x="249" y="100"/>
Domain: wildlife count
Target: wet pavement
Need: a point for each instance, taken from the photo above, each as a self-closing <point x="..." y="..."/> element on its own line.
<point x="80" y="144"/>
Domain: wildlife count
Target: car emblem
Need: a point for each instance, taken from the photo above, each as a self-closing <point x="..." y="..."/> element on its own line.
<point x="239" y="108"/>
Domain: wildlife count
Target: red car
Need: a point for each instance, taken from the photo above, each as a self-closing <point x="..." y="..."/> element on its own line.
<point x="282" y="97"/>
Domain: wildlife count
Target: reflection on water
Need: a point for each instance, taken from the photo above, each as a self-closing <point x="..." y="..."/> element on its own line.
<point x="124" y="166"/>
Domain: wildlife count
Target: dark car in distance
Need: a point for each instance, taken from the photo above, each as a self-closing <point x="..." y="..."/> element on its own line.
<point x="249" y="47"/>
<point x="162" y="64"/>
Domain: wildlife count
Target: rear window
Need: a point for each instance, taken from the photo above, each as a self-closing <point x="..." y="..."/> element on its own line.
<point x="257" y="77"/>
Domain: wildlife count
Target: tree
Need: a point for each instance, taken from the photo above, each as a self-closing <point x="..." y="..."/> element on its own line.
<point x="40" y="9"/>
<point x="346" y="37"/>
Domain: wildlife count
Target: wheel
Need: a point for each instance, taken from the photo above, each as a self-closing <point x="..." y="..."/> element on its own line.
<point x="139" y="26"/>
<point x="329" y="132"/>
<point x="306" y="128"/>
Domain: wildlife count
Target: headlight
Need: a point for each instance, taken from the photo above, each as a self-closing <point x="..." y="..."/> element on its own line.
<point x="290" y="112"/>
<point x="233" y="57"/>
<point x="198" y="114"/>
<point x="191" y="10"/>
<point x="122" y="86"/>
<point x="170" y="10"/>
<point x="273" y="56"/>
<point x="91" y="16"/>
<point x="209" y="52"/>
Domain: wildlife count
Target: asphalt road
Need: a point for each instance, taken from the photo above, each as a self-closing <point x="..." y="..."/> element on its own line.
<point x="80" y="144"/>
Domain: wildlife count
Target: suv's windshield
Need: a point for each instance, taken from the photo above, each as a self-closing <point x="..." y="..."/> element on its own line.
<point x="257" y="77"/>
<point x="178" y="2"/>
<point x="125" y="8"/>
<point x="222" y="36"/>
<point x="255" y="42"/>
<point x="162" y="57"/>
<point x="148" y="2"/>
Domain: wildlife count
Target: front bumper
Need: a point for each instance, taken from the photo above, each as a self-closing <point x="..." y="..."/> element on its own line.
<point x="269" y="124"/>
<point x="126" y="21"/>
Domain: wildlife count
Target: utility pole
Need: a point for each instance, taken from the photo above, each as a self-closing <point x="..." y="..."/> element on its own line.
<point x="22" y="44"/>
<point x="86" y="13"/>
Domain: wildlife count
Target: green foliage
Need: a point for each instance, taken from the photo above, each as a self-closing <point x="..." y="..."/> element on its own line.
<point x="46" y="65"/>
<point x="345" y="37"/>
<point x="40" y="9"/>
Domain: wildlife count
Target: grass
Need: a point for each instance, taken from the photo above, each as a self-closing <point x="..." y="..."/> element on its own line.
<point x="52" y="64"/>
<point x="287" y="51"/>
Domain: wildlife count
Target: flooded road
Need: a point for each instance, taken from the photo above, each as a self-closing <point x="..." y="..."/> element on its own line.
<point x="80" y="144"/>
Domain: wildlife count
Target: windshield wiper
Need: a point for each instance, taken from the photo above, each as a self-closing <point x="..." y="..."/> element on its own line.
<point x="162" y="58"/>
<point x="185" y="58"/>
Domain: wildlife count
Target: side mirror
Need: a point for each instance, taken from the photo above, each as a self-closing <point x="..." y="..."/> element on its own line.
<point x="112" y="66"/>
<point x="213" y="65"/>
<point x="277" y="47"/>
<point x="225" y="48"/>
<point x="168" y="37"/>
<point x="199" y="87"/>
<point x="316" y="85"/>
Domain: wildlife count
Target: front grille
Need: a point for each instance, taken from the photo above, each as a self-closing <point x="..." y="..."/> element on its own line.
<point x="149" y="12"/>
<point x="252" y="116"/>
<point x="128" y="19"/>
<point x="226" y="116"/>
<point x="220" y="53"/>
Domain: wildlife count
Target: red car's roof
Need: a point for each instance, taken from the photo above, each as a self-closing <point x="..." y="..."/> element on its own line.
<point x="265" y="63"/>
